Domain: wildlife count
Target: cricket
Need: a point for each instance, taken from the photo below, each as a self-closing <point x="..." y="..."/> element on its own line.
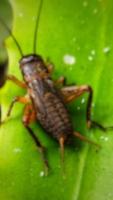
<point x="44" y="101"/>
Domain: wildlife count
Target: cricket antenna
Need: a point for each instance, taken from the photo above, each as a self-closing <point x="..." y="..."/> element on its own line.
<point x="13" y="37"/>
<point x="36" y="27"/>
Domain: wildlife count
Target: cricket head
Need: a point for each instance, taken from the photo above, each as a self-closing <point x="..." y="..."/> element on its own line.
<point x="30" y="59"/>
<point x="32" y="65"/>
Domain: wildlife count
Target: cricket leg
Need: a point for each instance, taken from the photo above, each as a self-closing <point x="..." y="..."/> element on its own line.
<point x="70" y="93"/>
<point x="16" y="99"/>
<point x="28" y="117"/>
<point x="24" y="100"/>
<point x="61" y="142"/>
<point x="16" y="81"/>
<point x="85" y="139"/>
<point x="61" y="81"/>
<point x="50" y="67"/>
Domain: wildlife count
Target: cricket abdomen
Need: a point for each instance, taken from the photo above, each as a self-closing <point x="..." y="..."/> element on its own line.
<point x="56" y="119"/>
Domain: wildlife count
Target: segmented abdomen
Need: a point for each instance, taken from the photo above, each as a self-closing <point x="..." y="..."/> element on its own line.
<point x="55" y="120"/>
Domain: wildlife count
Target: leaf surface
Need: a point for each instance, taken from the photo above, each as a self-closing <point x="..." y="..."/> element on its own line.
<point x="83" y="30"/>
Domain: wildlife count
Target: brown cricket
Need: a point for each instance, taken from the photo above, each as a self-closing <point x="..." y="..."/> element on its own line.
<point x="45" y="102"/>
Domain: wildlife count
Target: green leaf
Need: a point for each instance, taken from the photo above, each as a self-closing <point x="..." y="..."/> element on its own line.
<point x="83" y="30"/>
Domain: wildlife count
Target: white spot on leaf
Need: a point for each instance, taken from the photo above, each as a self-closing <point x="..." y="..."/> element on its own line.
<point x="104" y="138"/>
<point x="69" y="59"/>
<point x="42" y="173"/>
<point x="106" y="49"/>
<point x="83" y="101"/>
<point x="90" y="58"/>
<point x="93" y="52"/>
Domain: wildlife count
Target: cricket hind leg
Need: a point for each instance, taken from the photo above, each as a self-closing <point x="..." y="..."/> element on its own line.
<point x="71" y="93"/>
<point x="61" y="142"/>
<point x="28" y="117"/>
<point x="85" y="139"/>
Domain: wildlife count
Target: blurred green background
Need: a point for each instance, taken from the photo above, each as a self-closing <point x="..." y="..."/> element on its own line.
<point x="77" y="36"/>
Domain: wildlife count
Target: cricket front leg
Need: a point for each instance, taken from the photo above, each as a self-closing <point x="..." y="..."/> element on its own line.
<point x="16" y="81"/>
<point x="29" y="117"/>
<point x="17" y="99"/>
<point x="60" y="81"/>
<point x="71" y="93"/>
<point x="50" y="66"/>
